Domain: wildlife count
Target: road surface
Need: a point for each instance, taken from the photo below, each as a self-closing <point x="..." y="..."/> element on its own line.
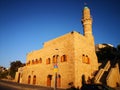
<point x="2" y="87"/>
<point x="8" y="85"/>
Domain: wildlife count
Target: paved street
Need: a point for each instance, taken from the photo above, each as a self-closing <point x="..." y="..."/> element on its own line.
<point x="7" y="85"/>
<point x="2" y="87"/>
<point x="118" y="88"/>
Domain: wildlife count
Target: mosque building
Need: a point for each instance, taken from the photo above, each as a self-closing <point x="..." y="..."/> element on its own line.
<point x="67" y="59"/>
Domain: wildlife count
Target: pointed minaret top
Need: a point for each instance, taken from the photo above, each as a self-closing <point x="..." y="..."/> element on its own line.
<point x="86" y="7"/>
<point x="86" y="13"/>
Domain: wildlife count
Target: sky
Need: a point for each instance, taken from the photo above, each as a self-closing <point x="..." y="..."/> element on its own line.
<point x="26" y="24"/>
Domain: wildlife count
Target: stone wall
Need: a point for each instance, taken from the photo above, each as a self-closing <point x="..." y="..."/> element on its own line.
<point x="113" y="78"/>
<point x="73" y="45"/>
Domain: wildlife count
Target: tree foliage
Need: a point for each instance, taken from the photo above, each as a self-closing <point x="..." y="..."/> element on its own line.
<point x="3" y="72"/>
<point x="14" y="67"/>
<point x="108" y="53"/>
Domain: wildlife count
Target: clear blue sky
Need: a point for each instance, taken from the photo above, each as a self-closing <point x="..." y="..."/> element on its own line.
<point x="26" y="24"/>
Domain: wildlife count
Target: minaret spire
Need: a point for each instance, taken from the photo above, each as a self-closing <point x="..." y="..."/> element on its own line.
<point x="87" y="22"/>
<point x="87" y="25"/>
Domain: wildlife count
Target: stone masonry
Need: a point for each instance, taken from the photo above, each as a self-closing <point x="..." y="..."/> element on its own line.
<point x="73" y="54"/>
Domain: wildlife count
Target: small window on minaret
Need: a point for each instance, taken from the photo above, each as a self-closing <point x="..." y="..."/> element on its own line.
<point x="87" y="60"/>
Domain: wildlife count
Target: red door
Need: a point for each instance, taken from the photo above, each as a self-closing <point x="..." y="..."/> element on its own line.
<point x="49" y="78"/>
<point x="59" y="81"/>
<point x="29" y="78"/>
<point x="34" y="80"/>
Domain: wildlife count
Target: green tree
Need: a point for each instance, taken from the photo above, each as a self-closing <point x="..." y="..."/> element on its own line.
<point x="14" y="67"/>
<point x="106" y="53"/>
<point x="109" y="53"/>
<point x="3" y="72"/>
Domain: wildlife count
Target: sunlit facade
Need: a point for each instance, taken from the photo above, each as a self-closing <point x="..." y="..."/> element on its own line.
<point x="73" y="54"/>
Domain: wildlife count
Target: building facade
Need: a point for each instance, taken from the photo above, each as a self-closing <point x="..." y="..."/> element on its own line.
<point x="70" y="58"/>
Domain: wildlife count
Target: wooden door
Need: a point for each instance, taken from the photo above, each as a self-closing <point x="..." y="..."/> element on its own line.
<point x="29" y="79"/>
<point x="49" y="78"/>
<point x="59" y="81"/>
<point x="34" y="80"/>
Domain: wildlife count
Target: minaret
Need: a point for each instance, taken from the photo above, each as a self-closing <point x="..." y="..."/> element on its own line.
<point x="87" y="27"/>
<point x="87" y="22"/>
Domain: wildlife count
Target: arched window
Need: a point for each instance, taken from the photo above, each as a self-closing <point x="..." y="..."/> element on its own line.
<point x="54" y="59"/>
<point x="29" y="79"/>
<point x="40" y="60"/>
<point x="49" y="78"/>
<point x="48" y="61"/>
<point x="87" y="60"/>
<point x="36" y="61"/>
<point x="34" y="79"/>
<point x="63" y="58"/>
<point x="33" y="62"/>
<point x="83" y="58"/>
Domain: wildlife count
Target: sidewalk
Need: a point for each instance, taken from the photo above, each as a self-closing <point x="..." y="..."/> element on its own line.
<point x="24" y="86"/>
<point x="117" y="88"/>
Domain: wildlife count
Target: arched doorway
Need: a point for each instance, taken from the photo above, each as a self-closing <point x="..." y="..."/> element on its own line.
<point x="58" y="81"/>
<point x="18" y="78"/>
<point x="49" y="78"/>
<point x="29" y="79"/>
<point x="34" y="79"/>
